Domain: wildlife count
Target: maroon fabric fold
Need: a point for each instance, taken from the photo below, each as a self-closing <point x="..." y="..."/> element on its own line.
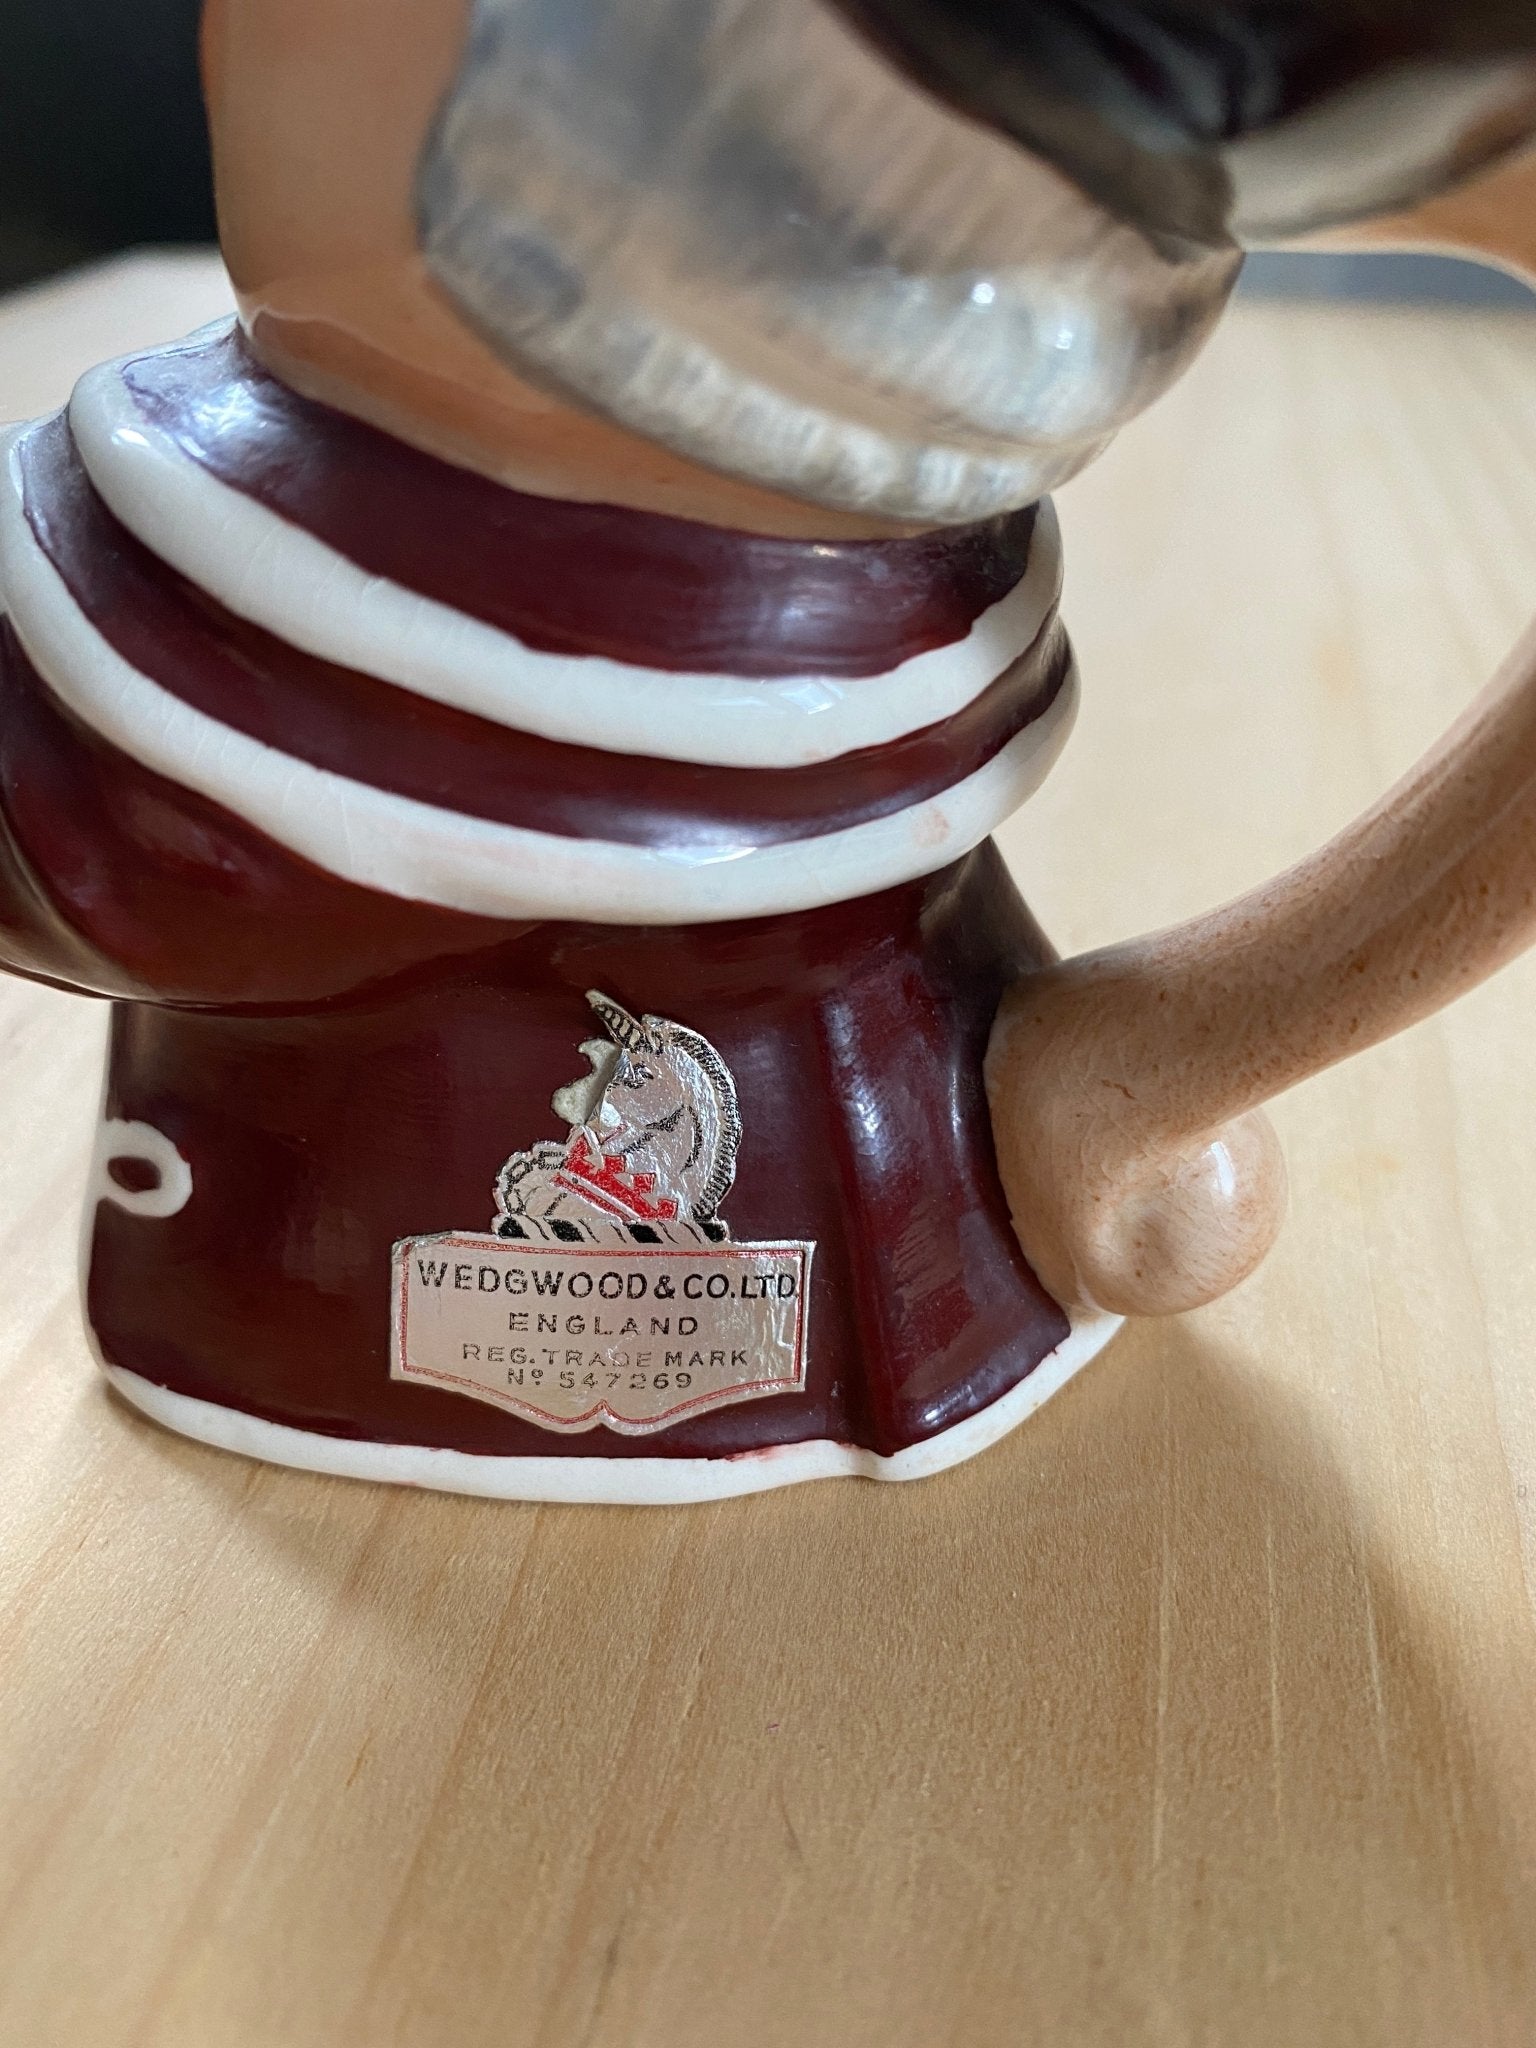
<point x="340" y="1069"/>
<point x="572" y="578"/>
<point x="355" y="725"/>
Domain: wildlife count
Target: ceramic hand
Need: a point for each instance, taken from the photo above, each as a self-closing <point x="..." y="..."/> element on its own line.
<point x="1125" y="1086"/>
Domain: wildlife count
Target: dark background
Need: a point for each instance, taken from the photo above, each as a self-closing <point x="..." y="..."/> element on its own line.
<point x="102" y="141"/>
<point x="103" y="146"/>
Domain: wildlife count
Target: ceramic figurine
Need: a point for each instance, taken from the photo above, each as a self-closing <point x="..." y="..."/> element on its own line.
<point x="514" y="723"/>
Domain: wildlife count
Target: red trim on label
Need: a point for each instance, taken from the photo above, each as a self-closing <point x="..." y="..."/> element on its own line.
<point x="402" y="1368"/>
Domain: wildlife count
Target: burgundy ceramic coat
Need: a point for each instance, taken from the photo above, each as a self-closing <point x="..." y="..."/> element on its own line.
<point x="538" y="851"/>
<point x="553" y="949"/>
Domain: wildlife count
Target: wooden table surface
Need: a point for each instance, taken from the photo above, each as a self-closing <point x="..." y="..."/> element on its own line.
<point x="1202" y="1712"/>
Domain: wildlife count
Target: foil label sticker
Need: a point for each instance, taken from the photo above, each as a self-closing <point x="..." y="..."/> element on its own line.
<point x="637" y="1340"/>
<point x="608" y="1289"/>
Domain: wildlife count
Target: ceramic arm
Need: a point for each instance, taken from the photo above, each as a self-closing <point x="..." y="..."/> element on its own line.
<point x="1126" y="1086"/>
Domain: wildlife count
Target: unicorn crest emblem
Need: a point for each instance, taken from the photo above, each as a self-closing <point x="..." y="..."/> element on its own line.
<point x="651" y="1154"/>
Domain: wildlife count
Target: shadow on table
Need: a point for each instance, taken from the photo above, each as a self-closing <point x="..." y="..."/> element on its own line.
<point x="1127" y="1733"/>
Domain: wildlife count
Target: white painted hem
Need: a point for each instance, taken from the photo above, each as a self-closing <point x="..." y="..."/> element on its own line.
<point x="282" y="578"/>
<point x="427" y="854"/>
<point x="631" y="1482"/>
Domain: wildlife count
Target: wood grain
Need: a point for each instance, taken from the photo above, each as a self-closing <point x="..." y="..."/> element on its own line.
<point x="1127" y="1086"/>
<point x="1196" y="1714"/>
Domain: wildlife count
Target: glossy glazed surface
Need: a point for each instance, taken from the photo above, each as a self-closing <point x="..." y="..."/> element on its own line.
<point x="350" y="911"/>
<point x="443" y="759"/>
<point x="318" y="1137"/>
<point x="734" y="226"/>
<point x="284" y="568"/>
<point x="318" y="114"/>
<point x="1127" y="1085"/>
<point x="315" y="1141"/>
<point x="318" y="1063"/>
<point x="341" y="720"/>
<point x="574" y="577"/>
